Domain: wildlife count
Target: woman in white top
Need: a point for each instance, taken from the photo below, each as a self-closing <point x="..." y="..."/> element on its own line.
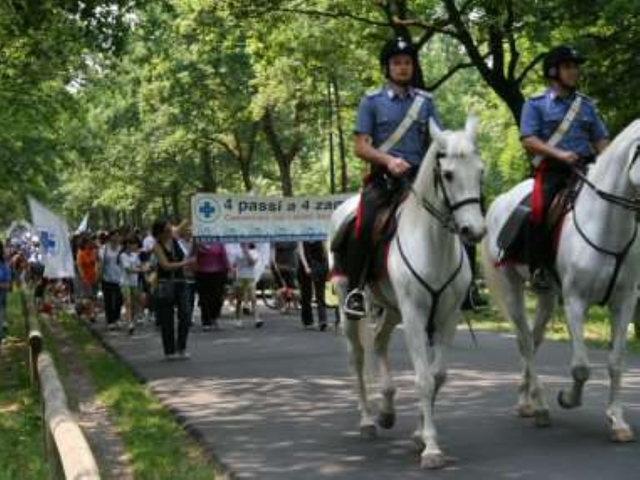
<point x="129" y="281"/>
<point x="245" y="264"/>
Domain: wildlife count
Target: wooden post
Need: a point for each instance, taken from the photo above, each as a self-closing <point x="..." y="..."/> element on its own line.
<point x="35" y="349"/>
<point x="69" y="444"/>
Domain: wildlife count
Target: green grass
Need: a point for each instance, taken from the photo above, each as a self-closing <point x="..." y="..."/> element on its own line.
<point x="21" y="436"/>
<point x="158" y="446"/>
<point x="597" y="328"/>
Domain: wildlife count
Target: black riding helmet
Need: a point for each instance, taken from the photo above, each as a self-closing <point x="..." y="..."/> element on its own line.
<point x="557" y="56"/>
<point x="397" y="46"/>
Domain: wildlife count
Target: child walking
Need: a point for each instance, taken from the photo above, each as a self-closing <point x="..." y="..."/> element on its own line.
<point x="130" y="281"/>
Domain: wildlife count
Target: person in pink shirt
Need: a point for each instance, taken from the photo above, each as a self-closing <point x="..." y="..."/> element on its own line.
<point x="212" y="268"/>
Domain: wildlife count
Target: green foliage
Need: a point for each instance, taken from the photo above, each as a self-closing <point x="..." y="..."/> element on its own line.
<point x="21" y="442"/>
<point x="130" y="112"/>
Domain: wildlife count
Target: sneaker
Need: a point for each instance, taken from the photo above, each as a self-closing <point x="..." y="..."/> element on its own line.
<point x="170" y="357"/>
<point x="323" y="326"/>
<point x="354" y="305"/>
<point x="258" y="323"/>
<point x="206" y="328"/>
<point x="183" y="355"/>
<point x="540" y="280"/>
<point x="112" y="326"/>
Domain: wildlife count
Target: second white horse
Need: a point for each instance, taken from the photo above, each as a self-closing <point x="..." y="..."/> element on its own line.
<point x="597" y="262"/>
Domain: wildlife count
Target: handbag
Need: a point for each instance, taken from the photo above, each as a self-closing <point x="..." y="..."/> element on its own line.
<point x="166" y="290"/>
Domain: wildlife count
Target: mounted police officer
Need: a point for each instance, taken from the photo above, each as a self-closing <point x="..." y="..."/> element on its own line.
<point x="392" y="135"/>
<point x="563" y="130"/>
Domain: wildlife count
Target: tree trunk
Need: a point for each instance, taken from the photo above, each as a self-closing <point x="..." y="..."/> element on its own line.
<point x="175" y="202"/>
<point x="165" y="206"/>
<point x="246" y="176"/>
<point x="286" y="180"/>
<point x="344" y="180"/>
<point x="138" y="216"/>
<point x="283" y="158"/>
<point x="106" y="217"/>
<point x="332" y="161"/>
<point x="209" y="178"/>
<point x="514" y="98"/>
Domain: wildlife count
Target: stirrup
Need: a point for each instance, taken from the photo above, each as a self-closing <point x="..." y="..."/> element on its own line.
<point x="540" y="281"/>
<point x="354" y="304"/>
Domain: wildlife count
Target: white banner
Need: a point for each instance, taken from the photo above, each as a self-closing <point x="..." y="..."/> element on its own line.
<point x="235" y="218"/>
<point x="84" y="224"/>
<point x="54" y="241"/>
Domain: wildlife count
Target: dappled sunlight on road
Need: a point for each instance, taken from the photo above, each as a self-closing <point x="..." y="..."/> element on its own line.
<point x="280" y="403"/>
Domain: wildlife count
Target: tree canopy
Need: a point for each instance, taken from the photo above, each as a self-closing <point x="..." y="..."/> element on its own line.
<point x="126" y="108"/>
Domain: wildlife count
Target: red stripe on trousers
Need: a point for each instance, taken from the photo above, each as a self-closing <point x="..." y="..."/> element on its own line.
<point x="537" y="200"/>
<point x="359" y="215"/>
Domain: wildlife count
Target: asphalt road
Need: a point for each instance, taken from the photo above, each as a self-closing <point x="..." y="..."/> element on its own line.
<point x="279" y="403"/>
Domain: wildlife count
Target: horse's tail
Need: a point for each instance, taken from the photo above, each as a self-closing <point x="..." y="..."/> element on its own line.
<point x="495" y="282"/>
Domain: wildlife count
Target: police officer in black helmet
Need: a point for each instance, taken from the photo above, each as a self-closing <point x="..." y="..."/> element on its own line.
<point x="394" y="155"/>
<point x="583" y="136"/>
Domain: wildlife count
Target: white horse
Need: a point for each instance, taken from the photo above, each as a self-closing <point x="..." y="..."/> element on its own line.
<point x="597" y="262"/>
<point x="428" y="277"/>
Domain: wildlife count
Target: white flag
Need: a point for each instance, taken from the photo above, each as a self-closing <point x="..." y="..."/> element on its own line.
<point x="84" y="224"/>
<point x="54" y="241"/>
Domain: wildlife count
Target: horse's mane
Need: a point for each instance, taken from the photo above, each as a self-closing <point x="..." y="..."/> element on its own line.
<point x="616" y="149"/>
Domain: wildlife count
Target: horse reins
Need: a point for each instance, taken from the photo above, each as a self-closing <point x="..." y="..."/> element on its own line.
<point x="632" y="205"/>
<point x="444" y="218"/>
<point x="447" y="221"/>
<point x="435" y="293"/>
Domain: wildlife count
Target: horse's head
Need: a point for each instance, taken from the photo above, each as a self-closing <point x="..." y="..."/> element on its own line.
<point x="458" y="172"/>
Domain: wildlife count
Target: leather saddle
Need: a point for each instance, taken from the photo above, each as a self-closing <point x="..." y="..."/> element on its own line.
<point x="385" y="225"/>
<point x="513" y="239"/>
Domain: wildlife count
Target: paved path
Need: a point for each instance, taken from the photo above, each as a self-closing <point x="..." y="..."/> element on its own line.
<point x="278" y="403"/>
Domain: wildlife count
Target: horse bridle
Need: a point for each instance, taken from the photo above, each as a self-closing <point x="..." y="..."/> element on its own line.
<point x="448" y="222"/>
<point x="632" y="204"/>
<point x="446" y="219"/>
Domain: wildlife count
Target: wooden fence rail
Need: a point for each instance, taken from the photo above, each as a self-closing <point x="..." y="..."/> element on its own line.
<point x="68" y="452"/>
